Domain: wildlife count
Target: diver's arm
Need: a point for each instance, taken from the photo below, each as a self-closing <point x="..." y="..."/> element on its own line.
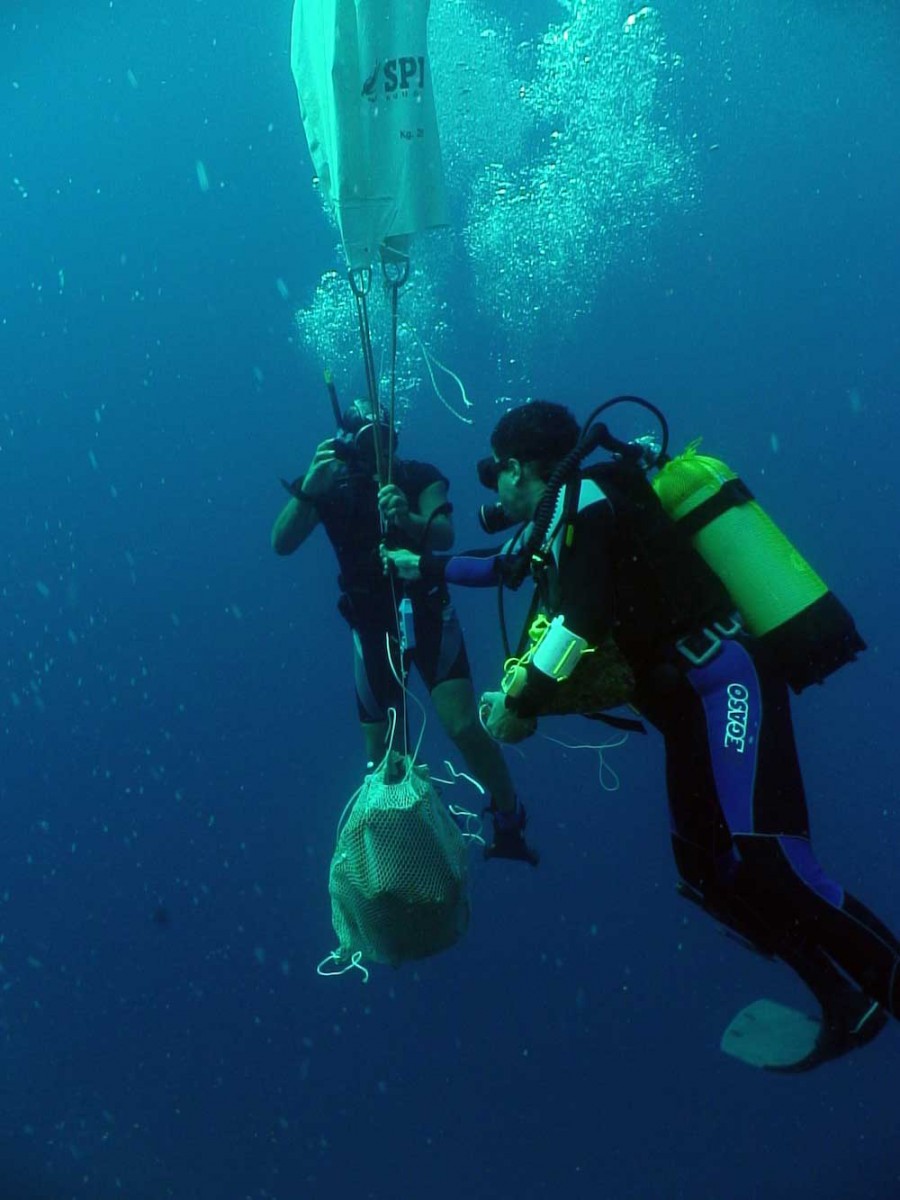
<point x="293" y="525"/>
<point x="435" y="526"/>
<point x="586" y="582"/>
<point x="585" y="604"/>
<point x="299" y="517"/>
<point x="440" y="530"/>
<point x="472" y="568"/>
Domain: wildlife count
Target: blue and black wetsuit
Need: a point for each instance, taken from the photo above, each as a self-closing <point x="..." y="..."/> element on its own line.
<point x="739" y="823"/>
<point x="349" y="513"/>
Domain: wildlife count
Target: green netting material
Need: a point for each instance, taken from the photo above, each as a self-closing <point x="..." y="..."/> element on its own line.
<point x="398" y="878"/>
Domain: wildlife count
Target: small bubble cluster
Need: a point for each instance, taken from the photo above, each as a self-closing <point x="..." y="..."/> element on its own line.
<point x="329" y="327"/>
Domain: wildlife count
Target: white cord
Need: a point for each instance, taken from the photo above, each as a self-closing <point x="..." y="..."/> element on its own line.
<point x="459" y="775"/>
<point x="430" y="359"/>
<point x="604" y="770"/>
<point x="407" y="695"/>
<point x="353" y="964"/>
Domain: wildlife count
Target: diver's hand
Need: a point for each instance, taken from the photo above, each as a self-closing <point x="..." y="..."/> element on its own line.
<point x="501" y="722"/>
<point x="320" y="473"/>
<point x="509" y="836"/>
<point x="403" y="562"/>
<point x="393" y="505"/>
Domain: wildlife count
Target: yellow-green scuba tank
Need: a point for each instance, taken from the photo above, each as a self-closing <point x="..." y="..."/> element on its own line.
<point x="781" y="598"/>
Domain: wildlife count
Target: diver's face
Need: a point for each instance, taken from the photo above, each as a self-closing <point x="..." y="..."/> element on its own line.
<point x="510" y="490"/>
<point x="360" y="414"/>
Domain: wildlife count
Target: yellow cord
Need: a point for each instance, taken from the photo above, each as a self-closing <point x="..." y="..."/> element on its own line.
<point x="514" y="665"/>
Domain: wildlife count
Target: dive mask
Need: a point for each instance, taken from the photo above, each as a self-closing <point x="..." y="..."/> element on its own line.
<point x="489" y="469"/>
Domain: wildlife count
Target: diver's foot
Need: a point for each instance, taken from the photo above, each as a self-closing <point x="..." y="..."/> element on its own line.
<point x="847" y="1024"/>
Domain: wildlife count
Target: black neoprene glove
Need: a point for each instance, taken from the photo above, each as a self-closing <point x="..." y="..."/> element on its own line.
<point x="509" y="836"/>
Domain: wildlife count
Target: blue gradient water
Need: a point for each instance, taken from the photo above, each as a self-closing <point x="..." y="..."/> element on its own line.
<point x="177" y="733"/>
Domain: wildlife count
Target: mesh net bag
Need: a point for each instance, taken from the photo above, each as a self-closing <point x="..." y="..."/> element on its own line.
<point x="399" y="874"/>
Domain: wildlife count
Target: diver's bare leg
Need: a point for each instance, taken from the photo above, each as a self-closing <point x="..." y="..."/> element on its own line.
<point x="375" y="738"/>
<point x="454" y="703"/>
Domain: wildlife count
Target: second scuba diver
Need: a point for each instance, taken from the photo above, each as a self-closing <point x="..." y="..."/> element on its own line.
<point x="610" y="566"/>
<point x="341" y="490"/>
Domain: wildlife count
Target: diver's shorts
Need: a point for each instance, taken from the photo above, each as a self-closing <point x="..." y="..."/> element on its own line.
<point x="439" y="655"/>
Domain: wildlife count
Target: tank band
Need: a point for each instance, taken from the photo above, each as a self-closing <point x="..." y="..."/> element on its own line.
<point x="731" y="494"/>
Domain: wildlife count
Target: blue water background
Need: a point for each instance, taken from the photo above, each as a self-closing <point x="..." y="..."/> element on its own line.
<point x="176" y="719"/>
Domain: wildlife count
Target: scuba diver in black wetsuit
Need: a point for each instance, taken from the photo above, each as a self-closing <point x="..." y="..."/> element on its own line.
<point x="341" y="491"/>
<point x="609" y="563"/>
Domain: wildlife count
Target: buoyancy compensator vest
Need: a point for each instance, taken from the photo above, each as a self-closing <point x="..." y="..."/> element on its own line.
<point x="664" y="589"/>
<point x="780" y="597"/>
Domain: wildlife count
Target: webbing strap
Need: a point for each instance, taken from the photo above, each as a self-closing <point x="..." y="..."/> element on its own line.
<point x="731" y="494"/>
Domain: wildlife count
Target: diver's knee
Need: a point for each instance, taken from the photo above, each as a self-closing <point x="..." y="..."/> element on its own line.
<point x="466" y="730"/>
<point x="460" y="722"/>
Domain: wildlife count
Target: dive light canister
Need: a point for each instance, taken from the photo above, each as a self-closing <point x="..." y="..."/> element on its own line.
<point x="554" y="651"/>
<point x="558" y="651"/>
<point x="781" y="599"/>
